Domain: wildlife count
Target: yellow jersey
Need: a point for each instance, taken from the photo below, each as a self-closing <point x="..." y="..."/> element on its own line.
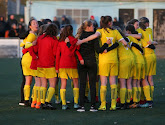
<point x="27" y="42"/>
<point x="149" y="30"/>
<point x="137" y="54"/>
<point x="114" y="35"/>
<point x="124" y="52"/>
<point x="146" y="37"/>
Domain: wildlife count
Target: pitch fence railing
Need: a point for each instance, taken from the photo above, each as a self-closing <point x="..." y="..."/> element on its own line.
<point x="10" y="48"/>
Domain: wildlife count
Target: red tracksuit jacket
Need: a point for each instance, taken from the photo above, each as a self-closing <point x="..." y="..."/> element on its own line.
<point x="65" y="57"/>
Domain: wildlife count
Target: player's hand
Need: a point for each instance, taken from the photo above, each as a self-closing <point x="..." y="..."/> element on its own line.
<point x="149" y="42"/>
<point x="34" y="42"/>
<point x="57" y="71"/>
<point x="105" y="51"/>
<point x="109" y="41"/>
<point x="79" y="42"/>
<point x="66" y="40"/>
<point x="82" y="62"/>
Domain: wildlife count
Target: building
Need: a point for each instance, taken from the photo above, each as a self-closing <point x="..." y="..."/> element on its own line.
<point x="79" y="10"/>
<point x="8" y="7"/>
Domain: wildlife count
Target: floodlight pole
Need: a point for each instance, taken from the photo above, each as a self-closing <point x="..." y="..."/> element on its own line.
<point x="29" y="9"/>
<point x="6" y="9"/>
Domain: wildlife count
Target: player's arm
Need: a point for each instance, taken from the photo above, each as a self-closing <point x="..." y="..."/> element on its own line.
<point x="137" y="47"/>
<point x="137" y="36"/>
<point x="58" y="52"/>
<point x="115" y="45"/>
<point x="151" y="46"/>
<point x="89" y="38"/>
<point x="79" y="57"/>
<point x="30" y="38"/>
<point x="98" y="48"/>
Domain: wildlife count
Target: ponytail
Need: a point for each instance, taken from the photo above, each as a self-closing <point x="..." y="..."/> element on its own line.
<point x="83" y="27"/>
<point x="104" y="22"/>
<point x="67" y="31"/>
<point x="79" y="32"/>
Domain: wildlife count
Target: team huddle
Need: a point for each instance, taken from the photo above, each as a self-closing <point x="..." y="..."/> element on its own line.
<point x="126" y="57"/>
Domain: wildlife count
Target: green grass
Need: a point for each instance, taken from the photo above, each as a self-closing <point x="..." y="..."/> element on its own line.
<point x="12" y="114"/>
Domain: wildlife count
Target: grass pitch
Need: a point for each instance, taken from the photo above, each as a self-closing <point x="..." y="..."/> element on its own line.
<point x="13" y="114"/>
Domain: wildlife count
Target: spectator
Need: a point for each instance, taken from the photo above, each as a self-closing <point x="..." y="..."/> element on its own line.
<point x="21" y="22"/>
<point x="92" y="19"/>
<point x="115" y="22"/>
<point x="2" y="26"/>
<point x="47" y="21"/>
<point x="13" y="32"/>
<point x="42" y="20"/>
<point x="11" y="21"/>
<point x="21" y="29"/>
<point x="65" y="20"/>
<point x="55" y="21"/>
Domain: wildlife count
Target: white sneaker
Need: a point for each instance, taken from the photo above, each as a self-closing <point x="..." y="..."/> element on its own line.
<point x="57" y="102"/>
<point x="81" y="109"/>
<point x="21" y="103"/>
<point x="93" y="109"/>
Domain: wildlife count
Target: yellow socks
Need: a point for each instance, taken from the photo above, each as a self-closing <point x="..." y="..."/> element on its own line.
<point x="135" y="94"/>
<point x="129" y="95"/>
<point x="152" y="92"/>
<point x="113" y="95"/>
<point x="34" y="93"/>
<point x="97" y="88"/>
<point x="122" y="95"/>
<point x="87" y="89"/>
<point x="63" y="94"/>
<point x="139" y="93"/>
<point x="42" y="94"/>
<point x="38" y="94"/>
<point x="26" y="92"/>
<point x="50" y="94"/>
<point x="103" y="92"/>
<point x="76" y="95"/>
<point x="146" y="90"/>
<point x="56" y="93"/>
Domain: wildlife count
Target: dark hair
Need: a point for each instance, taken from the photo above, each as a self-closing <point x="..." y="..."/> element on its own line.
<point x="30" y="23"/>
<point x="104" y="22"/>
<point x="133" y="21"/>
<point x="46" y="21"/>
<point x="143" y="21"/>
<point x="131" y="28"/>
<point x="67" y="31"/>
<point x="40" y="23"/>
<point x="51" y="31"/>
<point x="42" y="29"/>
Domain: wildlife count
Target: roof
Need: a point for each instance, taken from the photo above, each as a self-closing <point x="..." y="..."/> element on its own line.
<point x="107" y="0"/>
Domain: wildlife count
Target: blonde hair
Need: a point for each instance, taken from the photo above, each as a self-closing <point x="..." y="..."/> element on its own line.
<point x="83" y="26"/>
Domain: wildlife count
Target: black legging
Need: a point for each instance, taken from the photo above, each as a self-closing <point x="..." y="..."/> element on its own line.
<point x="90" y="69"/>
<point x="23" y="83"/>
